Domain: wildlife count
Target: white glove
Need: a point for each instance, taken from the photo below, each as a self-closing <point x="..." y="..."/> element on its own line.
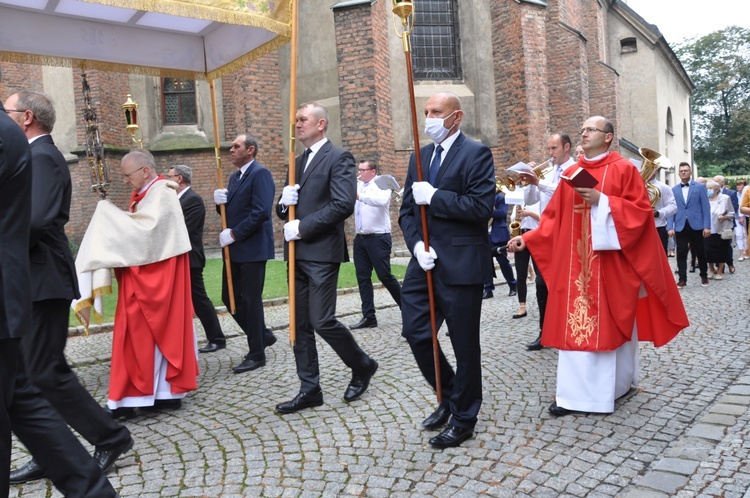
<point x="423" y="192"/>
<point x="220" y="196"/>
<point x="289" y="196"/>
<point x="291" y="230"/>
<point x="425" y="259"/>
<point x="226" y="237"/>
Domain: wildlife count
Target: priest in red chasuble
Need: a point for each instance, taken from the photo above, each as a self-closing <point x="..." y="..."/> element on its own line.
<point x="610" y="284"/>
<point x="154" y="361"/>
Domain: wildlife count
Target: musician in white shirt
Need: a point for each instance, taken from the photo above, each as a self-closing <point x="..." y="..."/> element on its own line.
<point x="372" y="244"/>
<point x="541" y="191"/>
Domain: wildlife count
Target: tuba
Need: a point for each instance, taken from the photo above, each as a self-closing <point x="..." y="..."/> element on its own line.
<point x="652" y="161"/>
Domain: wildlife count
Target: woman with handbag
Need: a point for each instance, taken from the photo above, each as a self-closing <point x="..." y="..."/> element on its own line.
<point x="718" y="243"/>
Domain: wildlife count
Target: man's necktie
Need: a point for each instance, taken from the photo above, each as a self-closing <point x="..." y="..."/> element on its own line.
<point x="235" y="181"/>
<point x="305" y="157"/>
<point x="685" y="184"/>
<point x="435" y="166"/>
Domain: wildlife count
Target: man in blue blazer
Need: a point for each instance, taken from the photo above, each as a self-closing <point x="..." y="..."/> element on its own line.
<point x="458" y="195"/>
<point x="691" y="224"/>
<point x="249" y="204"/>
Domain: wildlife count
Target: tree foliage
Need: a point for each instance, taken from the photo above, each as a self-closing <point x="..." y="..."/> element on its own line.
<point x="719" y="65"/>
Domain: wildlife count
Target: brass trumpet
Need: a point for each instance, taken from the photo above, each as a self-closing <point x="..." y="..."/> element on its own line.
<point x="510" y="179"/>
<point x="506" y="181"/>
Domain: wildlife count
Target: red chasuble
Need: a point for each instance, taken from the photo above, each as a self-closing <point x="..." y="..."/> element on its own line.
<point x="154" y="307"/>
<point x="593" y="298"/>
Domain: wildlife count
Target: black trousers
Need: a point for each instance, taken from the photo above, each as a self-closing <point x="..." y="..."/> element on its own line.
<point x="204" y="308"/>
<point x="42" y="430"/>
<point x="43" y="349"/>
<point x="9" y="353"/>
<point x="664" y="237"/>
<point x="541" y="295"/>
<point x="316" y="312"/>
<point x="373" y="251"/>
<point x="692" y="239"/>
<point x="248" y="280"/>
<point x="460" y="306"/>
<point x="522" y="258"/>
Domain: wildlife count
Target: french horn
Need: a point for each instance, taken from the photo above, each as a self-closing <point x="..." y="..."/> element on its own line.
<point x="652" y="161"/>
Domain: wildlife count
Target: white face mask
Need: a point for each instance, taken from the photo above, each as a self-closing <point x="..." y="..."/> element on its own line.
<point x="433" y="128"/>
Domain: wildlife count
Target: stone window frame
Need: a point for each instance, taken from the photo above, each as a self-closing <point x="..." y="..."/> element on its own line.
<point x="184" y="94"/>
<point x="628" y="45"/>
<point x="436" y="41"/>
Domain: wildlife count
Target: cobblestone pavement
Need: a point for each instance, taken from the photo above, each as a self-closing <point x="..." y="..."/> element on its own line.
<point x="684" y="432"/>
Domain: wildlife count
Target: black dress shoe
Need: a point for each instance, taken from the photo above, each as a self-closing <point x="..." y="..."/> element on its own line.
<point x="692" y="269"/>
<point x="122" y="413"/>
<point x="451" y="437"/>
<point x="438" y="418"/>
<point x="212" y="347"/>
<point x="487" y="295"/>
<point x="519" y="315"/>
<point x="536" y="345"/>
<point x="32" y="471"/>
<point x="559" y="411"/>
<point x="365" y="323"/>
<point x="269" y="339"/>
<point x="301" y="401"/>
<point x="248" y="365"/>
<point x="360" y="382"/>
<point x="107" y="458"/>
<point x="512" y="291"/>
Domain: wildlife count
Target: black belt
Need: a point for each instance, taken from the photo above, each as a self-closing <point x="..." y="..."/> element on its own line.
<point x="371" y="235"/>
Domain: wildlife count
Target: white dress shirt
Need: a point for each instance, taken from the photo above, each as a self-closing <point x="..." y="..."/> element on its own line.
<point x="372" y="210"/>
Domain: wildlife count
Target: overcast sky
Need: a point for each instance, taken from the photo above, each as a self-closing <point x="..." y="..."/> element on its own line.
<point x="681" y="19"/>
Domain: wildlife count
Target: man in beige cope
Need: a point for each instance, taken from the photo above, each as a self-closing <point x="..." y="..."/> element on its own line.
<point x="154" y="360"/>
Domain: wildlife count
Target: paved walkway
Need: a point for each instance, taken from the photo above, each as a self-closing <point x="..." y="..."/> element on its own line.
<point x="684" y="432"/>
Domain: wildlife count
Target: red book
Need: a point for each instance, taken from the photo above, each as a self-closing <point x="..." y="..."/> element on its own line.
<point x="581" y="178"/>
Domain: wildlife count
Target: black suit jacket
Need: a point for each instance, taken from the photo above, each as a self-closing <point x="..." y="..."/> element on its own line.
<point x="53" y="273"/>
<point x="15" y="218"/>
<point x="195" y="217"/>
<point x="327" y="194"/>
<point x="458" y="212"/>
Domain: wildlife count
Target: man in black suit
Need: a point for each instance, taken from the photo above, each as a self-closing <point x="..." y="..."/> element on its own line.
<point x="459" y="195"/>
<point x="15" y="290"/>
<point x="22" y="407"/>
<point x="325" y="197"/>
<point x="195" y="217"/>
<point x="249" y="204"/>
<point x="53" y="286"/>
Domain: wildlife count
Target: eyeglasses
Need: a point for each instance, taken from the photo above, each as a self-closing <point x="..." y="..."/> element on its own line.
<point x="16" y="110"/>
<point x="167" y="175"/>
<point x="590" y="130"/>
<point x="364" y="169"/>
<point x="127" y="175"/>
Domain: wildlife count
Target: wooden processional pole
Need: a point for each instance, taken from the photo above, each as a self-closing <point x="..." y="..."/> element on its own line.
<point x="405" y="11"/>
